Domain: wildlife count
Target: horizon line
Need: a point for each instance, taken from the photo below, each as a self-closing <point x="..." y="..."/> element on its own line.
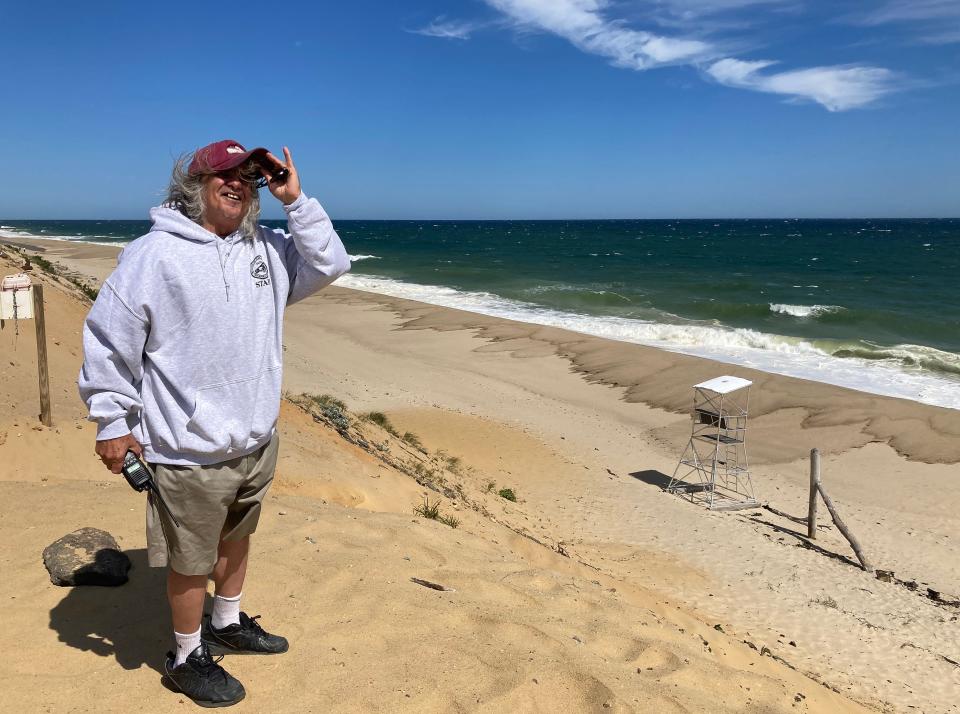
<point x="635" y="218"/>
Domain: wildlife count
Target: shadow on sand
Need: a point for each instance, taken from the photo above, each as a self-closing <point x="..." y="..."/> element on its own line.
<point x="130" y="622"/>
<point x="654" y="478"/>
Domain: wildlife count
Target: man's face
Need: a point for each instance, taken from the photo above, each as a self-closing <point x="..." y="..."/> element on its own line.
<point x="226" y="198"/>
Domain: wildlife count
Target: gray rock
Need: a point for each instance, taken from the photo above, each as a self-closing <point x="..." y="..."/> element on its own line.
<point x="88" y="556"/>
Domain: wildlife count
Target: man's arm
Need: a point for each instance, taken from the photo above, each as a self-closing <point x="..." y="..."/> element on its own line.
<point x="113" y="340"/>
<point x="314" y="254"/>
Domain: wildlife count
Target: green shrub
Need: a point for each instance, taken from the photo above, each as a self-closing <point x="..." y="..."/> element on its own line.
<point x="82" y="286"/>
<point x="508" y="494"/>
<point x="326" y="400"/>
<point x="381" y="420"/>
<point x="45" y="265"/>
<point x="332" y="408"/>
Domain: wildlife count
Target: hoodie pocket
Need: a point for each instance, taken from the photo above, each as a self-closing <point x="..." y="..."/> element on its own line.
<point x="230" y="416"/>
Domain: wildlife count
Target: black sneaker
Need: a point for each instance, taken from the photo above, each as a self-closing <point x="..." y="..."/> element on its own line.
<point x="246" y="638"/>
<point x="203" y="680"/>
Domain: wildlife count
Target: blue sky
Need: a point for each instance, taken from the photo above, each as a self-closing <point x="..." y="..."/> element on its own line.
<point x="494" y="108"/>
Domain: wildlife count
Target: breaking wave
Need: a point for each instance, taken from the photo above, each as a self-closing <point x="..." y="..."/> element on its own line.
<point x="912" y="372"/>
<point x="804" y="310"/>
<point x="905" y="356"/>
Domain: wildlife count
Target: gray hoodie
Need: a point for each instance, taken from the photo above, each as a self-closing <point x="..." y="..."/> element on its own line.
<point x="183" y="346"/>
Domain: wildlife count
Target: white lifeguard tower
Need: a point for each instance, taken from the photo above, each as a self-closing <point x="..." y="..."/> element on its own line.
<point x="713" y="469"/>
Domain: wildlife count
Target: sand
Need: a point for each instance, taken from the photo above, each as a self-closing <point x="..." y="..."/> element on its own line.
<point x="585" y="431"/>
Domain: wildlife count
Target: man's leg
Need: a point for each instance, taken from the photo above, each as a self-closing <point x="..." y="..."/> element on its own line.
<point x="231" y="567"/>
<point x="185" y="594"/>
<point x="199" y="497"/>
<point x="232" y="630"/>
<point x="199" y="677"/>
<point x="228" y="575"/>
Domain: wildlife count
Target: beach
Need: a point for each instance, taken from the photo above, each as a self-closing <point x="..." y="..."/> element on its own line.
<point x="595" y="589"/>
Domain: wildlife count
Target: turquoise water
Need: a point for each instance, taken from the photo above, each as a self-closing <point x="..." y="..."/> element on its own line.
<point x="871" y="304"/>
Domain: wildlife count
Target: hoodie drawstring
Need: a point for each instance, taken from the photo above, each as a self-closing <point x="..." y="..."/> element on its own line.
<point x="168" y="219"/>
<point x="223" y="269"/>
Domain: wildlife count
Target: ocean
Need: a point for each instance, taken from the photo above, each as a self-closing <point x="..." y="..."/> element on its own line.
<point x="869" y="304"/>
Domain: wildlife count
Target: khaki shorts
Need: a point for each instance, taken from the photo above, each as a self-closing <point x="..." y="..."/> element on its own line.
<point x="210" y="502"/>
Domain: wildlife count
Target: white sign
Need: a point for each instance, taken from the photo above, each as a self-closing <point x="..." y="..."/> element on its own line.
<point x="16" y="297"/>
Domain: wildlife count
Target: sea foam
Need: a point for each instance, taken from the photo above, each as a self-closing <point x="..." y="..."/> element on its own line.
<point x="12" y="232"/>
<point x="804" y="310"/>
<point x="778" y="354"/>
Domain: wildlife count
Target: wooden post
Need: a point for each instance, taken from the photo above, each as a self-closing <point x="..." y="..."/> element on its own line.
<point x="44" y="373"/>
<point x="854" y="543"/>
<point x="814" y="485"/>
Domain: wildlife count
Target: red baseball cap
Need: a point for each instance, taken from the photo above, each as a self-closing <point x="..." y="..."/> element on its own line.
<point x="222" y="156"/>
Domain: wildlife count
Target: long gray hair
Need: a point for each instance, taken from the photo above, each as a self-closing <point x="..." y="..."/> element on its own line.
<point x="185" y="194"/>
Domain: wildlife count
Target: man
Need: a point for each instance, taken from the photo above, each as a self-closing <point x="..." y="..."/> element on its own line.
<point x="182" y="365"/>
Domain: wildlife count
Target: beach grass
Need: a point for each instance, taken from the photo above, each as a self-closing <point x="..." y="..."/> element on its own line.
<point x="381" y="420"/>
<point x="431" y="511"/>
<point x="56" y="271"/>
<point x="332" y="408"/>
<point x="413" y="440"/>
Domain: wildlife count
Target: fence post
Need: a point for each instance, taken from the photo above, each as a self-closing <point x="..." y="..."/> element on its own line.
<point x="814" y="486"/>
<point x="847" y="533"/>
<point x="44" y="373"/>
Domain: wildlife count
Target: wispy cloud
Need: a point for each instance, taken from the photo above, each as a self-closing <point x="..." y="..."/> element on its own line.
<point x="926" y="18"/>
<point x="585" y="24"/>
<point x="911" y="11"/>
<point x="692" y="9"/>
<point x="706" y="7"/>
<point x="947" y="37"/>
<point x="836" y="88"/>
<point x="449" y="29"/>
<point x="582" y="23"/>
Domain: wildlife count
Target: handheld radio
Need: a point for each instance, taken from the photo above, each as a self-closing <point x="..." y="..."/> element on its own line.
<point x="140" y="478"/>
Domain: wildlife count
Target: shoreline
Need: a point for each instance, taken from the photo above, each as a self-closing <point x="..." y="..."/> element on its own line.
<point x="765" y="349"/>
<point x="663" y="379"/>
<point x="805" y="359"/>
<point x="653" y="376"/>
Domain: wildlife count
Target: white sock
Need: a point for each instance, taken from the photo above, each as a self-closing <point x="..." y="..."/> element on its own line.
<point x="185" y="645"/>
<point x="226" y="611"/>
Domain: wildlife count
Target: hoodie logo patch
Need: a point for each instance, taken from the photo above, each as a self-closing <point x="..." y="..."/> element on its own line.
<point x="259" y="271"/>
